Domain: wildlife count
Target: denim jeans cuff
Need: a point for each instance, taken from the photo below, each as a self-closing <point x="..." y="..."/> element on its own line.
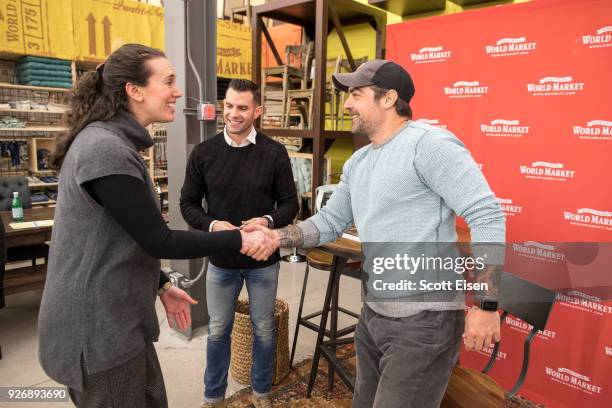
<point x="261" y="394"/>
<point x="213" y="400"/>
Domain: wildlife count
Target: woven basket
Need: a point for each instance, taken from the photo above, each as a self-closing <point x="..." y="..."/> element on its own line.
<point x="242" y="342"/>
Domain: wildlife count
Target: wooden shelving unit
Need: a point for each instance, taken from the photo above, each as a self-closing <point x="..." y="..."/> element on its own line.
<point x="33" y="88"/>
<point x="58" y="112"/>
<point x="41" y="127"/>
<point x="43" y="185"/>
<point x="36" y="128"/>
<point x="323" y="16"/>
<point x="404" y="7"/>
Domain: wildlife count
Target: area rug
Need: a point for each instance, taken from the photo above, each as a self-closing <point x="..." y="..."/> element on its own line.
<point x="291" y="392"/>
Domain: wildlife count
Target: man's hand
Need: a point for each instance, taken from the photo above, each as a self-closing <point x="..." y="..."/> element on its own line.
<point x="223" y="226"/>
<point x="272" y="234"/>
<point x="482" y="329"/>
<point x="176" y="302"/>
<point x="263" y="221"/>
<point x="257" y="244"/>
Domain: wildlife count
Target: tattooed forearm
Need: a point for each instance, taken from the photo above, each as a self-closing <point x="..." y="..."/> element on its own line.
<point x="291" y="236"/>
<point x="491" y="275"/>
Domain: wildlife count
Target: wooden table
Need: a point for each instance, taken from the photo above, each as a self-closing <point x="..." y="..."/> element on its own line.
<point x="28" y="236"/>
<point x="342" y="249"/>
<point x="29" y="277"/>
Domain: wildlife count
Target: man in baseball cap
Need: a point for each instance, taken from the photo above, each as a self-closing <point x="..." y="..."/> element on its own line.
<point x="382" y="73"/>
<point x="406" y="187"/>
<point x="368" y="85"/>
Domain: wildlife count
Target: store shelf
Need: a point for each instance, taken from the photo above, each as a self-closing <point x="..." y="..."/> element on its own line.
<point x="303" y="133"/>
<point x="44" y="172"/>
<point x="35" y="128"/>
<point x="32" y="88"/>
<point x="43" y="185"/>
<point x="404" y="8"/>
<point x="160" y="177"/>
<point x="44" y="202"/>
<point x="32" y="111"/>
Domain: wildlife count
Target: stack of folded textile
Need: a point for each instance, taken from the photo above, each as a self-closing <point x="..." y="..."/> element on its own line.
<point x="39" y="198"/>
<point x="40" y="71"/>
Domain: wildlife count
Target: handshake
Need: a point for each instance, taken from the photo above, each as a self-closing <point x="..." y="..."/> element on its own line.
<point x="258" y="241"/>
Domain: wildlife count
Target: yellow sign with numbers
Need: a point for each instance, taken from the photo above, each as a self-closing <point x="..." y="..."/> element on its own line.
<point x="87" y="30"/>
<point x="102" y="26"/>
<point x="37" y="27"/>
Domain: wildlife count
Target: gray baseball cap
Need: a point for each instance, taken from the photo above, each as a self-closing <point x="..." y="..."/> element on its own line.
<point x="382" y="73"/>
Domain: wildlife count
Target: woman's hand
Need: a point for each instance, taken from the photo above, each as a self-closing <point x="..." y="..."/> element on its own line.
<point x="176" y="302"/>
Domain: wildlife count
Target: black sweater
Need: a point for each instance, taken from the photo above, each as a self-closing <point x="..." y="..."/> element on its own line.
<point x="239" y="183"/>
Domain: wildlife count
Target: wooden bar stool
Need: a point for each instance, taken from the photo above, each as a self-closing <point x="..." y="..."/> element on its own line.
<point x="319" y="259"/>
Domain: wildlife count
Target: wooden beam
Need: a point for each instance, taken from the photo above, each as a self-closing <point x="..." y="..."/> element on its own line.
<point x="381" y="23"/>
<point x="277" y="57"/>
<point x="340" y="31"/>
<point x="318" y="112"/>
<point x="256" y="24"/>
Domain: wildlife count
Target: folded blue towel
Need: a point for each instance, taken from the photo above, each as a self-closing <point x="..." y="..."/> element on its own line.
<point x="31" y="58"/>
<point x="52" y="84"/>
<point x="44" y="73"/>
<point x="39" y="65"/>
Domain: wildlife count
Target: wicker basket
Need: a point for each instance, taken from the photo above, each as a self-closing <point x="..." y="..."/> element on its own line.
<point x="242" y="342"/>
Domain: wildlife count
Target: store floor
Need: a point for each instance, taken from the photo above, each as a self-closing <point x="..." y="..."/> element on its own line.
<point x="182" y="361"/>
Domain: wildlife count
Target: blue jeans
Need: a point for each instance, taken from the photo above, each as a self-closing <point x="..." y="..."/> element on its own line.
<point x="222" y="289"/>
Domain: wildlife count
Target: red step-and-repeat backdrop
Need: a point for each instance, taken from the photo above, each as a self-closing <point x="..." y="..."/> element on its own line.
<point x="528" y="88"/>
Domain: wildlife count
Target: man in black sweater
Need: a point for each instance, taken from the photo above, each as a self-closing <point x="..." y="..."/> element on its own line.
<point x="246" y="178"/>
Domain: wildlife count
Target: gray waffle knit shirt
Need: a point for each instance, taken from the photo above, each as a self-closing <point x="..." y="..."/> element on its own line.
<point x="409" y="190"/>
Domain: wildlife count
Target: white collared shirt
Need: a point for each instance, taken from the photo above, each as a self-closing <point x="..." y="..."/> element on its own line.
<point x="249" y="139"/>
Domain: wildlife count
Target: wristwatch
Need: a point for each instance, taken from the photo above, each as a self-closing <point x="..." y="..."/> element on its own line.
<point x="487" y="304"/>
<point x="270" y="221"/>
<point x="166" y="286"/>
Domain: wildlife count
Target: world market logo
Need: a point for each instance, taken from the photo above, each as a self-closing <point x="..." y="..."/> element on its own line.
<point x="522" y="327"/>
<point x="466" y="89"/>
<point x="508" y="207"/>
<point x="572" y="379"/>
<point x="601" y="38"/>
<point x="430" y="54"/>
<point x="555" y="86"/>
<point x="506" y="47"/>
<point x="433" y="122"/>
<point x="584" y="303"/>
<point x="594" y="130"/>
<point x="504" y="128"/>
<point x="608" y="351"/>
<point x="488" y="351"/>
<point x="588" y="217"/>
<point x="547" y="171"/>
<point x="538" y="251"/>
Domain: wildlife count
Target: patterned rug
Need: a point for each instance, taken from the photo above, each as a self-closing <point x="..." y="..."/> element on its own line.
<point x="291" y="392"/>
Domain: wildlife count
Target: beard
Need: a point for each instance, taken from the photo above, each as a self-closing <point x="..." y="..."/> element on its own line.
<point x="362" y="128"/>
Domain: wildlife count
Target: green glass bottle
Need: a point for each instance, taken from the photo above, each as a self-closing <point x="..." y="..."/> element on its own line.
<point x="17" y="208"/>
